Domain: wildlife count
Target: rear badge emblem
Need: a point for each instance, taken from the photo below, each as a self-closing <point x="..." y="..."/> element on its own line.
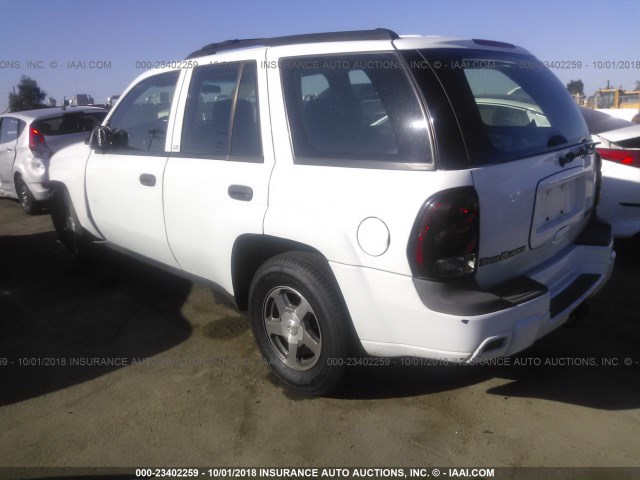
<point x="503" y="256"/>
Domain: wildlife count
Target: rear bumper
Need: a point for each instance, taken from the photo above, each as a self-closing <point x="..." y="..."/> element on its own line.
<point x="566" y="293"/>
<point x="392" y="318"/>
<point x="40" y="191"/>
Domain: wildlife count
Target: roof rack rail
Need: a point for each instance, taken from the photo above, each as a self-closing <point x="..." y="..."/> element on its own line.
<point x="377" y="34"/>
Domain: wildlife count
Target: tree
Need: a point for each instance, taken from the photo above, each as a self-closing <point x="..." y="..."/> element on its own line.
<point x="575" y="87"/>
<point x="29" y="96"/>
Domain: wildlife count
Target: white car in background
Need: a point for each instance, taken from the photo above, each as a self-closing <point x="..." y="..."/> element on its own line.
<point x="27" y="141"/>
<point x="619" y="148"/>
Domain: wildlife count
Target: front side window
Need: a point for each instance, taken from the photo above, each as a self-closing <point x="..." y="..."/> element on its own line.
<point x="353" y="109"/>
<point x="139" y="124"/>
<point x="9" y="129"/>
<point x="221" y="116"/>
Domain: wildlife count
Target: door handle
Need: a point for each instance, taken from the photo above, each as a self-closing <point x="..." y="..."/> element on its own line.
<point x="148" y="180"/>
<point x="241" y="192"/>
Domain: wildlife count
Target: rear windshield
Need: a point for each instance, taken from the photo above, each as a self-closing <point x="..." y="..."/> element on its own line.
<point x="508" y="106"/>
<point x="69" y="123"/>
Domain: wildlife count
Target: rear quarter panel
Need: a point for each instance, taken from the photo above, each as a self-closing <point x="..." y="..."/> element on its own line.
<point x="324" y="206"/>
<point x="620" y="184"/>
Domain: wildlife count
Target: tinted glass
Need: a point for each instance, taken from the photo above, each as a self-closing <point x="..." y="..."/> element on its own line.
<point x="354" y="107"/>
<point x="69" y="123"/>
<point x="245" y="141"/>
<point x="9" y="129"/>
<point x="139" y="122"/>
<point x="207" y="120"/>
<point x="221" y="115"/>
<point x="508" y="106"/>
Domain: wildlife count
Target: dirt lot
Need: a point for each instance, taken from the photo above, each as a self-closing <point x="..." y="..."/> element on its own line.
<point x="198" y="394"/>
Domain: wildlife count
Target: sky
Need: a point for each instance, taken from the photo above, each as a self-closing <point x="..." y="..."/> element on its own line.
<point x="79" y="46"/>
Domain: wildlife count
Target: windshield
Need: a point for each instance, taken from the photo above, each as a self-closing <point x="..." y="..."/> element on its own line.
<point x="508" y="106"/>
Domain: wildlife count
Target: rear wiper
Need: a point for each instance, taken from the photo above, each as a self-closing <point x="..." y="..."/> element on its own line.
<point x="586" y="148"/>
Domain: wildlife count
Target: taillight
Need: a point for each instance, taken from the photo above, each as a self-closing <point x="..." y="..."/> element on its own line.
<point x="37" y="144"/>
<point x="445" y="235"/>
<point x="625" y="157"/>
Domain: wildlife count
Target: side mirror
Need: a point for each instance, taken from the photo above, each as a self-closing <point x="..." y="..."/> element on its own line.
<point x="100" y="138"/>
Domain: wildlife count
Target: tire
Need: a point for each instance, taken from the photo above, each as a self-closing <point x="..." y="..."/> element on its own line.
<point x="26" y="198"/>
<point x="65" y="221"/>
<point x="300" y="322"/>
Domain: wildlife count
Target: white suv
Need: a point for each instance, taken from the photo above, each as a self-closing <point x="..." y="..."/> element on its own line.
<point x="411" y="196"/>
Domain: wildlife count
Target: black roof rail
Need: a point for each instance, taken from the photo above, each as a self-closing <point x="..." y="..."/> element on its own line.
<point x="377" y="34"/>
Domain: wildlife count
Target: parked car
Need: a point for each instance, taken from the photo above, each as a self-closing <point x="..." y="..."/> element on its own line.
<point x="346" y="189"/>
<point x="27" y="141"/>
<point x="619" y="148"/>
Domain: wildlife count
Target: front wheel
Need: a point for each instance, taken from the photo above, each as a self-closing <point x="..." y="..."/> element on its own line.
<point x="300" y="322"/>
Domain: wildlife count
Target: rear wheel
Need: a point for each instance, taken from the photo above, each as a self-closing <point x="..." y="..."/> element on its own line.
<point x="300" y="322"/>
<point x="26" y="198"/>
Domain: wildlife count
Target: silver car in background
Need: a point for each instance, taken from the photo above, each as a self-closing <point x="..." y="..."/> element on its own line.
<point x="27" y="141"/>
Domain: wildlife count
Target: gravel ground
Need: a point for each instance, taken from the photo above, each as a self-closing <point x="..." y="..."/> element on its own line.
<point x="186" y="386"/>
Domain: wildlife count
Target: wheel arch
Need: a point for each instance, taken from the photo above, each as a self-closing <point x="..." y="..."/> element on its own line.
<point x="56" y="206"/>
<point x="252" y="250"/>
<point x="67" y="170"/>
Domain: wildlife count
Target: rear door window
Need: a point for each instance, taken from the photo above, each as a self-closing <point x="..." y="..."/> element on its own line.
<point x="508" y="106"/>
<point x="221" y="117"/>
<point x="354" y="110"/>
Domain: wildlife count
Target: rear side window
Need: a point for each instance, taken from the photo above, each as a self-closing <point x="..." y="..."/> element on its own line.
<point x="69" y="123"/>
<point x="9" y="129"/>
<point x="140" y="120"/>
<point x="354" y="110"/>
<point x="508" y="106"/>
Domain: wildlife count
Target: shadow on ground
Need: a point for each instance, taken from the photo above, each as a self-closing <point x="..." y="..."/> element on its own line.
<point x="55" y="311"/>
<point x="53" y="308"/>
